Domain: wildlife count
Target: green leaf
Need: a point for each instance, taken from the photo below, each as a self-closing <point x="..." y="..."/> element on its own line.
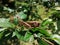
<point x="6" y="35"/>
<point x="5" y="23"/>
<point x="57" y="8"/>
<point x="28" y="37"/>
<point x="39" y="35"/>
<point x="19" y="36"/>
<point x="2" y="29"/>
<point x="8" y="9"/>
<point x="5" y="8"/>
<point x="22" y="15"/>
<point x="1" y="34"/>
<point x="35" y="29"/>
<point x="42" y="42"/>
<point x="44" y="32"/>
<point x="47" y="21"/>
<point x="56" y="38"/>
<point x="15" y="21"/>
<point x="14" y="34"/>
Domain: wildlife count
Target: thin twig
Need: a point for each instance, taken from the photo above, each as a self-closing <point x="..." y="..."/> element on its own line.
<point x="48" y="41"/>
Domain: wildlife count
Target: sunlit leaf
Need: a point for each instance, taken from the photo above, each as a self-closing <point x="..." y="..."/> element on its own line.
<point x="28" y="37"/>
<point x="22" y="15"/>
<point x="39" y="35"/>
<point x="57" y="8"/>
<point x="8" y="9"/>
<point x="7" y="34"/>
<point x="14" y="34"/>
<point x="56" y="38"/>
<point x="2" y="29"/>
<point x="5" y="23"/>
<point x="47" y="21"/>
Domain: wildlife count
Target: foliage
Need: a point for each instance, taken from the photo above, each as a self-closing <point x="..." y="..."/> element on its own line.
<point x="30" y="21"/>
